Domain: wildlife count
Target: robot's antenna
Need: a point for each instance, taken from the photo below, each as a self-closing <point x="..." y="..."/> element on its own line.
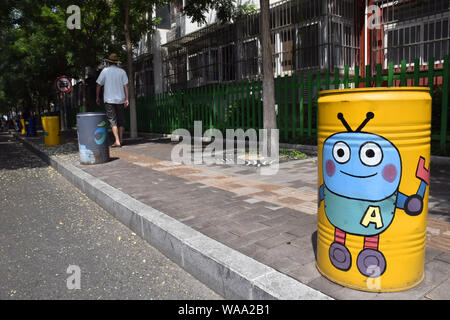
<point x="341" y="117"/>
<point x="369" y="116"/>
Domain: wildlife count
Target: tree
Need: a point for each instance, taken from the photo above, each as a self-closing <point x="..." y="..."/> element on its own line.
<point x="31" y="53"/>
<point x="136" y="18"/>
<point x="89" y="44"/>
<point x="270" y="117"/>
<point x="37" y="47"/>
<point x="227" y="10"/>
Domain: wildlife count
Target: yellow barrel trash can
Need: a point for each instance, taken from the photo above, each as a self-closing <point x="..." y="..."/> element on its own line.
<point x="373" y="159"/>
<point x="51" y="130"/>
<point x="23" y="131"/>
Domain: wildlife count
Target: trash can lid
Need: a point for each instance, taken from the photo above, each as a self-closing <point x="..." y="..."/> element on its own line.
<point x="358" y="90"/>
<point x="91" y="114"/>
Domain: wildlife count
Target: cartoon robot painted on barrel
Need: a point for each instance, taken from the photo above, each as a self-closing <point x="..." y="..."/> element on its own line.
<point x="362" y="173"/>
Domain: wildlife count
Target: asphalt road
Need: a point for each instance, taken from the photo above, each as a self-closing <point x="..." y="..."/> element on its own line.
<point x="48" y="225"/>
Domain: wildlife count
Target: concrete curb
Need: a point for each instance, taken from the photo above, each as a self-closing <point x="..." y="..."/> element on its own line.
<point x="227" y="271"/>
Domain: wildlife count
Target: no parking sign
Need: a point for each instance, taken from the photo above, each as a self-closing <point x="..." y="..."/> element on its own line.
<point x="64" y="84"/>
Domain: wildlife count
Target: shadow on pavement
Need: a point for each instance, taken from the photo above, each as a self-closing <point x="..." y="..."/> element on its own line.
<point x="14" y="156"/>
<point x="439" y="202"/>
<point x="314" y="243"/>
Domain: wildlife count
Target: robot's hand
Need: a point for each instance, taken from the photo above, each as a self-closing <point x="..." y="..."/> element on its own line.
<point x="422" y="173"/>
<point x="414" y="205"/>
<point x="320" y="195"/>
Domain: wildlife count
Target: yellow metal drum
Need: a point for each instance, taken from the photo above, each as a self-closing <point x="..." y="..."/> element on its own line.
<point x="374" y="154"/>
<point x="23" y="131"/>
<point x="51" y="131"/>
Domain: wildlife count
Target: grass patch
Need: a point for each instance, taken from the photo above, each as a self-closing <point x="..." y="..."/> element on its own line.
<point x="292" y="154"/>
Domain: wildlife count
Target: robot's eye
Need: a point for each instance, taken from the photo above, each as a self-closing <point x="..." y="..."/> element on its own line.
<point x="371" y="154"/>
<point x="341" y="152"/>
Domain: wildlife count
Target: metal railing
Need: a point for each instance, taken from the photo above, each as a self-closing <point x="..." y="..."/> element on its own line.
<point x="239" y="104"/>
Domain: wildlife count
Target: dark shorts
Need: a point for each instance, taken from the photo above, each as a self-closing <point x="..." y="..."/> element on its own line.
<point x="115" y="114"/>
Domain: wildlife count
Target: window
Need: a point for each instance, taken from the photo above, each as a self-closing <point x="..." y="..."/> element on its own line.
<point x="422" y="41"/>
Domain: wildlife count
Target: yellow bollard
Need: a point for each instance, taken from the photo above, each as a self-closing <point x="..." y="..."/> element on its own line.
<point x="23" y="131"/>
<point x="374" y="151"/>
<point x="51" y="131"/>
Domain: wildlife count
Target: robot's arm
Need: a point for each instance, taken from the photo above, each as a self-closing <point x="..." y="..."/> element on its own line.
<point x="321" y="194"/>
<point x="413" y="205"/>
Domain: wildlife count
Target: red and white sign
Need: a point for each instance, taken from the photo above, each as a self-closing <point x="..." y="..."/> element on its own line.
<point x="64" y="84"/>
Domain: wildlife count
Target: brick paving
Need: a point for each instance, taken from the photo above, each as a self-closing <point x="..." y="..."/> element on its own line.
<point x="269" y="218"/>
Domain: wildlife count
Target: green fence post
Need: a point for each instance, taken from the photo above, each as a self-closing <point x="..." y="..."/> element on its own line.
<point x="301" y="104"/>
<point x="346" y="69"/>
<point x="367" y="76"/>
<point x="222" y="106"/>
<point x="242" y="104"/>
<point x="286" y="109"/>
<point x="254" y="115"/>
<point x="336" y="78"/>
<point x="316" y="105"/>
<point x="403" y="74"/>
<point x="248" y="103"/>
<point x="214" y="116"/>
<point x="327" y="79"/>
<point x="233" y="105"/>
<point x="356" y="77"/>
<point x="416" y="75"/>
<point x="294" y="104"/>
<point x="278" y="90"/>
<point x="260" y="106"/>
<point x="431" y="75"/>
<point x="191" y="109"/>
<point x="444" y="110"/>
<point x="205" y="106"/>
<point x="309" y="104"/>
<point x="390" y="74"/>
<point x="379" y="75"/>
<point x="158" y="112"/>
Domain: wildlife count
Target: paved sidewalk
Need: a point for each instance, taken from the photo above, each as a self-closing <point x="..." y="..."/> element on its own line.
<point x="271" y="219"/>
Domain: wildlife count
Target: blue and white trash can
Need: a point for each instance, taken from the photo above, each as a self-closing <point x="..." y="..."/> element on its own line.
<point x="93" y="137"/>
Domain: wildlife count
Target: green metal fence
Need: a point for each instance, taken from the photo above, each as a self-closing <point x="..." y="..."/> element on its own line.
<point x="239" y="105"/>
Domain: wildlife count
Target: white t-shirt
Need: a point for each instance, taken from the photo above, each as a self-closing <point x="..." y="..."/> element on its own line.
<point x="113" y="79"/>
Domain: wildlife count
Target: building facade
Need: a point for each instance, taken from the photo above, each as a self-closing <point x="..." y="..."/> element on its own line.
<point x="307" y="35"/>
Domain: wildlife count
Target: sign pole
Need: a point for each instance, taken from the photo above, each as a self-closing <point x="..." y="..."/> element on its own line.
<point x="62" y="111"/>
<point x="63" y="85"/>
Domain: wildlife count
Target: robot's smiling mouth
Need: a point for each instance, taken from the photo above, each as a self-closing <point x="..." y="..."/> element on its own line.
<point x="360" y="177"/>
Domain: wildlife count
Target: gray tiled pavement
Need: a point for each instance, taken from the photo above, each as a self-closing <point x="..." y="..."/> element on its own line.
<point x="278" y="236"/>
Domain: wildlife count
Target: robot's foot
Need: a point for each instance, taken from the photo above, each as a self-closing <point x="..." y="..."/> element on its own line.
<point x="371" y="263"/>
<point x="340" y="256"/>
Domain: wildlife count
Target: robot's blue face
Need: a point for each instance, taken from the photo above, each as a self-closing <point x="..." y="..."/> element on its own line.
<point x="361" y="165"/>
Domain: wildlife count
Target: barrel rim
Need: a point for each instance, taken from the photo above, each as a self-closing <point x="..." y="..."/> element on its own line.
<point x="91" y="114"/>
<point x="378" y="89"/>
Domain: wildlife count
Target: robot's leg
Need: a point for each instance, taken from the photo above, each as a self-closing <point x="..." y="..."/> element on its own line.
<point x="340" y="257"/>
<point x="371" y="262"/>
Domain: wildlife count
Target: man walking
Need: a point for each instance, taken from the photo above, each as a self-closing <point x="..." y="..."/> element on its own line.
<point x="115" y="96"/>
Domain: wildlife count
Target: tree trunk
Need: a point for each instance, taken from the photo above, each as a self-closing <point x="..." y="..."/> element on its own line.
<point x="131" y="92"/>
<point x="268" y="83"/>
